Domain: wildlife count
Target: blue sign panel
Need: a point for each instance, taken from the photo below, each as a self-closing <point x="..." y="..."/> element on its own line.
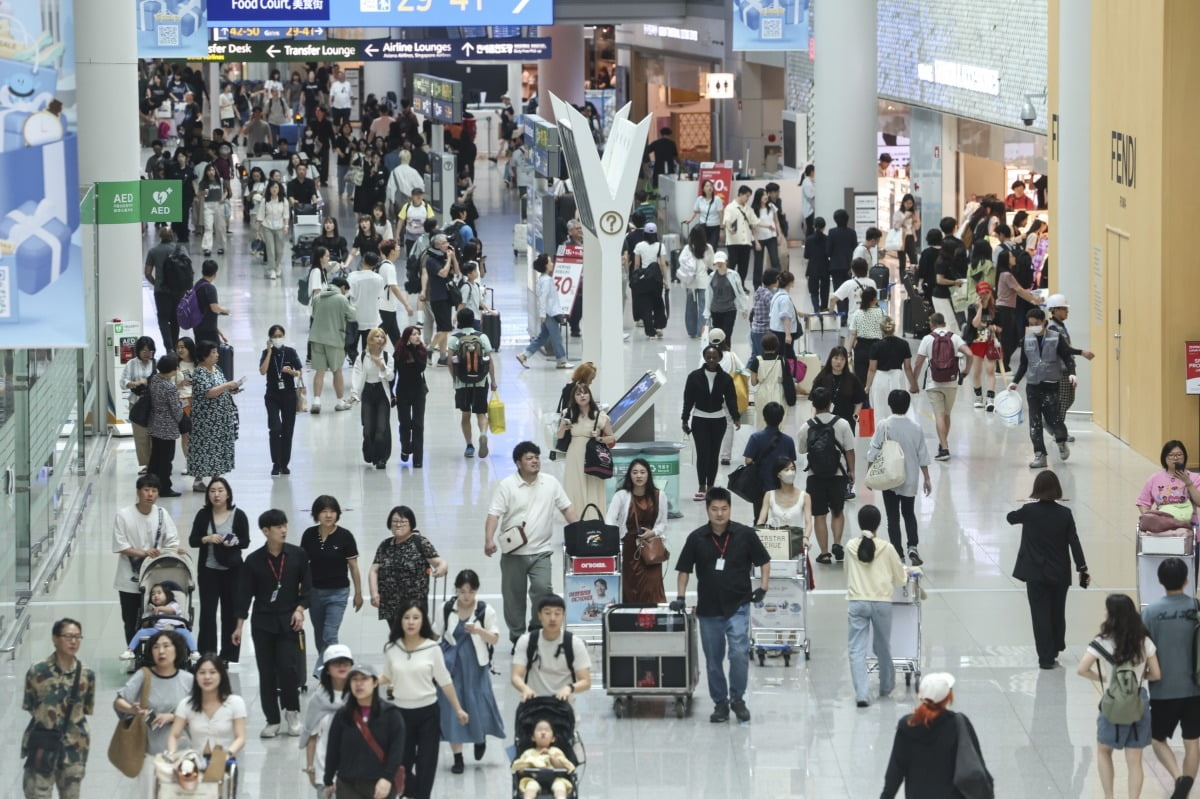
<point x="171" y="28"/>
<point x="300" y="33"/>
<point x="770" y="25"/>
<point x="382" y="13"/>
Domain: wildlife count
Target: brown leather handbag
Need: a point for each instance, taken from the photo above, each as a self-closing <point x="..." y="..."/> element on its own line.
<point x="651" y="550"/>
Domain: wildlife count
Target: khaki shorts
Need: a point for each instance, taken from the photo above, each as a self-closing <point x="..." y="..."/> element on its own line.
<point x="941" y="396"/>
<point x="327" y="357"/>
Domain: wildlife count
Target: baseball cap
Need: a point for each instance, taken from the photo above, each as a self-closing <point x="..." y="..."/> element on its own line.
<point x="650" y="227"/>
<point x="337" y="652"/>
<point x="1057" y="301"/>
<point x="367" y="670"/>
<point x="720" y="257"/>
<point x="983" y="286"/>
<point x="936" y="687"/>
<point x="716" y="335"/>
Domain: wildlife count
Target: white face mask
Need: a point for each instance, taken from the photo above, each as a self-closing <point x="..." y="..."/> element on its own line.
<point x="788" y="477"/>
<point x="1034" y="329"/>
<point x="277" y="343"/>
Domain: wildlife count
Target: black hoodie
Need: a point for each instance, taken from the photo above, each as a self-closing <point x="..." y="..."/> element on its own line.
<point x="923" y="758"/>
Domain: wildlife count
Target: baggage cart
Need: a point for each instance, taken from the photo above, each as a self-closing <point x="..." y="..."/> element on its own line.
<point x="906" y="632"/>
<point x="166" y="786"/>
<point x="779" y="624"/>
<point x="821" y="334"/>
<point x="650" y="650"/>
<point x="592" y="584"/>
<point x="1152" y="550"/>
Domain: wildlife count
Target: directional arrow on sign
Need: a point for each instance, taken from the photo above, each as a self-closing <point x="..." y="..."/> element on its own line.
<point x="370" y="50"/>
<point x="272" y="51"/>
<point x="467" y="48"/>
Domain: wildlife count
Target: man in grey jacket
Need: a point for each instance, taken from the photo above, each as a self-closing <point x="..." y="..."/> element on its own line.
<point x="901" y="500"/>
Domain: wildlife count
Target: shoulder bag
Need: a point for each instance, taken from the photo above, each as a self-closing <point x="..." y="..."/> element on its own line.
<point x="513" y="538"/>
<point x="139" y="412"/>
<point x="127" y="749"/>
<point x="398" y="779"/>
<point x="136" y="563"/>
<point x="597" y="457"/>
<point x="45" y="748"/>
<point x="887" y="470"/>
<point x="971" y="776"/>
<point x="225" y="556"/>
<point x="744" y="480"/>
<point x="651" y="550"/>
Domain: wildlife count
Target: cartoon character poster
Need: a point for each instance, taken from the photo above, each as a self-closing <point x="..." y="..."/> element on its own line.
<point x="41" y="281"/>
<point x="172" y="28"/>
<point x="589" y="594"/>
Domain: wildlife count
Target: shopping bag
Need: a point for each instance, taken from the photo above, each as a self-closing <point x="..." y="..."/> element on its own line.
<point x="496" y="413"/>
<point x="592" y="537"/>
<point x="741" y="388"/>
<point x="866" y="422"/>
<point x="887" y="471"/>
<point x="894" y="241"/>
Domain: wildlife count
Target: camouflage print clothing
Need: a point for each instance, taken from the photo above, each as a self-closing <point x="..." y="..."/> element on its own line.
<point x="47" y="694"/>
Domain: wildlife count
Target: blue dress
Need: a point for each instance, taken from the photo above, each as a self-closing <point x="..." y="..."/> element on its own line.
<point x="473" y="684"/>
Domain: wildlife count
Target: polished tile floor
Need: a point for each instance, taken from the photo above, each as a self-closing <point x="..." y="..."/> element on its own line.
<point x="806" y="738"/>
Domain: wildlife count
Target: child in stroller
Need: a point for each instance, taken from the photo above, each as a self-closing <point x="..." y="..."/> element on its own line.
<point x="164" y="613"/>
<point x="545" y="728"/>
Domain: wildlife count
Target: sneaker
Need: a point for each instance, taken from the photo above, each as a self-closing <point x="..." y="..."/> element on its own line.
<point x="292" y="719"/>
<point x="469" y="452"/>
<point x="1064" y="451"/>
<point x="978" y="401"/>
<point x="839" y="554"/>
<point x="442" y="361"/>
<point x="942" y="454"/>
<point x="913" y="557"/>
<point x="284" y="470"/>
<point x="1039" y="461"/>
<point x="483" y="449"/>
<point x="128" y="655"/>
<point x="849" y="491"/>
<point x="315" y="407"/>
<point x="342" y="406"/>
<point x="1071" y="440"/>
<point x="698" y="496"/>
<point x="1183" y="786"/>
<point x="724" y="461"/>
<point x="862" y="703"/>
<point x="269" y="731"/>
<point x="522" y="358"/>
<point x="274" y="471"/>
<point x="564" y="365"/>
<point x="824" y="559"/>
<point x="991" y="405"/>
<point x="199" y="486"/>
<point x="459" y="766"/>
<point x="740" y="710"/>
<point x="720" y="713"/>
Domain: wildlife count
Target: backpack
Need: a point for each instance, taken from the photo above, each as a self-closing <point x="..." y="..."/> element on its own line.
<point x="825" y="454"/>
<point x="567" y="647"/>
<point x="1121" y="702"/>
<point x="454" y="294"/>
<point x="1021" y="264"/>
<point x="648" y="278"/>
<point x="879" y="275"/>
<point x="471" y="362"/>
<point x="480" y="608"/>
<point x="943" y="361"/>
<point x="453" y="233"/>
<point x="188" y="310"/>
<point x="412" y="270"/>
<point x="178" y="275"/>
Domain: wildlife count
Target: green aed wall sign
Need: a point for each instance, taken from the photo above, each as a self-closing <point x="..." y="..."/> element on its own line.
<point x="134" y="201"/>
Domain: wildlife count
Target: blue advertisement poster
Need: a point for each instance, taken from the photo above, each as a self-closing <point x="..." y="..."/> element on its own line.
<point x="770" y="24"/>
<point x="41" y="279"/>
<point x="382" y="13"/>
<point x="172" y="28"/>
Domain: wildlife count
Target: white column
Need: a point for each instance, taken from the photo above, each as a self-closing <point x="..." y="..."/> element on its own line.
<point x="845" y="100"/>
<point x="1070" y="225"/>
<point x="381" y="77"/>
<point x="562" y="75"/>
<point x="514" y="85"/>
<point x="106" y="59"/>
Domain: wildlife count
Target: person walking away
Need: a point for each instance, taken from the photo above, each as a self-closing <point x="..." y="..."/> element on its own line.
<point x="523" y="505"/>
<point x="410" y="389"/>
<point x="277" y="581"/>
<point x="166" y="416"/>
<point x="765" y="448"/>
<point x="707" y="395"/>
<point x="739" y="232"/>
<point x="169" y="269"/>
<point x="547" y="312"/>
<point x="840" y="244"/>
<point x="769" y="372"/>
<point x="873" y="572"/>
<point x="1044" y="358"/>
<point x="371" y="382"/>
<point x="695" y="267"/>
<point x="60" y="693"/>
<point x="1131" y="657"/>
<point x="783" y="318"/>
<point x="549" y="660"/>
<point x="901" y="501"/>
<point x="847" y="298"/>
<point x="650" y="273"/>
<point x="1048" y="539"/>
<point x="281" y="365"/>
<point x="816" y="256"/>
<point x="722" y="553"/>
<point x="724" y="298"/>
<point x="331" y="314"/>
<point x="865" y="332"/>
<point x="941" y="349"/>
<point x="206" y="299"/>
<point x="828" y="442"/>
<point x="366" y="289"/>
<point x="1059" y="310"/>
<point x="474" y="368"/>
<point x="393" y="297"/>
<point x="760" y="309"/>
<point x="333" y="559"/>
<point x="140" y="531"/>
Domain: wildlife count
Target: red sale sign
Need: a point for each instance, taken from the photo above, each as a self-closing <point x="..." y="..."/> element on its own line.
<point x="722" y="178"/>
<point x="568" y="270"/>
<point x="1193" y="367"/>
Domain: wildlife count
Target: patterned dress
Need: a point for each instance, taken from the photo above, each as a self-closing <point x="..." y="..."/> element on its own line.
<point x="403" y="573"/>
<point x="214" y="426"/>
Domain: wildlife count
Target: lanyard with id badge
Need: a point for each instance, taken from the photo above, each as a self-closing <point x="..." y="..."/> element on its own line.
<point x="720" y="564"/>
<point x="278" y="575"/>
<point x="279" y="372"/>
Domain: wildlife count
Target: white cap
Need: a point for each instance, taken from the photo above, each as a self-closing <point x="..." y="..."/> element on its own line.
<point x="936" y="687"/>
<point x="650" y="227"/>
<point x="1057" y="301"/>
<point x="716" y="335"/>
<point x="337" y="652"/>
<point x="720" y="257"/>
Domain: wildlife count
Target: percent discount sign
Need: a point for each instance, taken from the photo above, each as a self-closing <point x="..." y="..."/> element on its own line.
<point x="568" y="271"/>
<point x="1192" y="367"/>
<point x="722" y="178"/>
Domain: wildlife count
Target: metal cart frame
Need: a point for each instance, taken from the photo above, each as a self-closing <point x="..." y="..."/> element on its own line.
<point x="606" y="567"/>
<point x="1152" y="550"/>
<point x="906" y="644"/>
<point x="227" y="788"/>
<point x="652" y="645"/>
<point x="786" y="602"/>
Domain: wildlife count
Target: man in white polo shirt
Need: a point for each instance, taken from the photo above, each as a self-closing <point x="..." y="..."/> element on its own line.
<point x="523" y="507"/>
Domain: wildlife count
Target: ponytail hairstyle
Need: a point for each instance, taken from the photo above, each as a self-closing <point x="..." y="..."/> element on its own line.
<point x="927" y="712"/>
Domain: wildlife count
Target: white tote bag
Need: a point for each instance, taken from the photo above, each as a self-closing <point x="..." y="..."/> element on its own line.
<point x="894" y="241"/>
<point x="887" y="470"/>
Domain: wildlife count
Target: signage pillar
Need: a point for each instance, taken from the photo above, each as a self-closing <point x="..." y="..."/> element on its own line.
<point x="562" y="75"/>
<point x="845" y="91"/>
<point x="604" y="194"/>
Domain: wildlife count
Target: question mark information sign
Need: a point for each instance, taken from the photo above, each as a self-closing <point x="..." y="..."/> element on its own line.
<point x="568" y="269"/>
<point x="722" y="178"/>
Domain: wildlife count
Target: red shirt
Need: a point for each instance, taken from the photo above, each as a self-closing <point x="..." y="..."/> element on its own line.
<point x="1016" y="203"/>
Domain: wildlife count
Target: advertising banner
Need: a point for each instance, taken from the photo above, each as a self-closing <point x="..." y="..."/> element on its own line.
<point x="722" y="178"/>
<point x="568" y="270"/>
<point x="41" y="282"/>
<point x="382" y="13"/>
<point x="1192" y="367"/>
<point x="770" y="24"/>
<point x="589" y="594"/>
<point x="172" y="28"/>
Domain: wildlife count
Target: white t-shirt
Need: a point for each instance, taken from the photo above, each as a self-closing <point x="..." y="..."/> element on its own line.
<point x="708" y="212"/>
<point x="852" y="290"/>
<point x="414" y="219"/>
<point x="926" y="347"/>
<point x="134" y="529"/>
<point x="1148" y="649"/>
<point x="516" y="501"/>
<point x="868" y="254"/>
<point x="365" y="287"/>
<point x="339" y="94"/>
<point x="550" y="673"/>
<point x="650" y="252"/>
<point x="225" y="103"/>
<point x="316" y="284"/>
<point x="207" y="733"/>
<point x="387" y="300"/>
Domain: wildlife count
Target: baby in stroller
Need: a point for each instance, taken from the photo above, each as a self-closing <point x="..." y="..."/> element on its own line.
<point x="541" y="756"/>
<point x="164" y="613"/>
<point x="546" y="765"/>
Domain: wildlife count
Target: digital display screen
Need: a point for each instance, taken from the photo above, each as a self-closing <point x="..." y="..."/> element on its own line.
<point x="642" y="389"/>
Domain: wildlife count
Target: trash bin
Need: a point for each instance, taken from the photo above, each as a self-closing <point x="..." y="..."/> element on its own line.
<point x="663" y="457"/>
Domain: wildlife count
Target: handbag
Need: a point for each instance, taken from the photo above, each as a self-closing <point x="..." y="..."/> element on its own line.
<point x="745" y="481"/>
<point x="741" y="390"/>
<point x="301" y="397"/>
<point x="215" y="770"/>
<point x="139" y="412"/>
<point x="651" y="550"/>
<point x="866" y="422"/>
<point x="127" y="749"/>
<point x="45" y="747"/>
<point x="590" y="538"/>
<point x="495" y="412"/>
<point x="971" y="776"/>
<point x="894" y="241"/>
<point x="512" y="539"/>
<point x="887" y="470"/>
<point x="597" y="457"/>
<point x="398" y="780"/>
<point x="185" y="424"/>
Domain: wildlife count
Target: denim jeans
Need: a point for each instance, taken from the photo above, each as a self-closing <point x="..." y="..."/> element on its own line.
<point x="876" y="618"/>
<point x="756" y="343"/>
<point x="551" y="334"/>
<point x="693" y="312"/>
<point x="715" y="633"/>
<point x="326" y="608"/>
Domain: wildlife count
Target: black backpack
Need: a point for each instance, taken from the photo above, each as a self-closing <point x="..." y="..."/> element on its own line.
<point x="178" y="275"/>
<point x="1021" y="264"/>
<point x="471" y="362"/>
<point x="480" y="608"/>
<point x="825" y="454"/>
<point x="453" y="233"/>
<point x="412" y="270"/>
<point x="566" y="647"/>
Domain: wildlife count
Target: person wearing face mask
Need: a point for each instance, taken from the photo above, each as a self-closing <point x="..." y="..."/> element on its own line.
<point x="786" y="506"/>
<point x="766" y="447"/>
<point x="281" y="365"/>
<point x="1046" y="356"/>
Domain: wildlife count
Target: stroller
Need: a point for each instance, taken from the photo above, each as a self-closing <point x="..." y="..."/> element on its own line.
<point x="176" y="571"/>
<point x="561" y="716"/>
<point x="306" y="228"/>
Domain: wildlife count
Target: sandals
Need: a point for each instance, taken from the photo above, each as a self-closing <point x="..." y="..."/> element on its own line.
<point x="825" y="558"/>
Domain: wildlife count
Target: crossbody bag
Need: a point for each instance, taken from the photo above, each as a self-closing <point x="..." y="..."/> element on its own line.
<point x="46" y="746"/>
<point x="373" y="745"/>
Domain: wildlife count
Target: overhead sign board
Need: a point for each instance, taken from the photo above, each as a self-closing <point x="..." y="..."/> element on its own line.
<point x="239" y="49"/>
<point x="763" y="26"/>
<point x="438" y="99"/>
<point x="382" y="13"/>
<point x="171" y="28"/>
<point x="130" y="201"/>
<point x="542" y="138"/>
<point x="255" y="33"/>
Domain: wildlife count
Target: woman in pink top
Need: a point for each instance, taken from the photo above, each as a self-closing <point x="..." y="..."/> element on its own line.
<point x="1174" y="490"/>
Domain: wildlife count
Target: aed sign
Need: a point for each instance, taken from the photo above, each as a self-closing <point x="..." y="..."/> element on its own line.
<point x="133" y="201"/>
<point x="1123" y="159"/>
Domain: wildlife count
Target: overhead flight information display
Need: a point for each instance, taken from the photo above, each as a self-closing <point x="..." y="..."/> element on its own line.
<point x="381" y="13"/>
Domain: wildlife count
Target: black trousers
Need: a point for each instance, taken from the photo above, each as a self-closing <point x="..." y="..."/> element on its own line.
<point x="739" y="258"/>
<point x="707" y="433"/>
<point x="897" y="506"/>
<point x="767" y="247"/>
<point x="168" y="320"/>
<point x="390" y="326"/>
<point x="376" y="424"/>
<point x="410" y="410"/>
<point x="650" y="309"/>
<point x="862" y="358"/>
<point x="131" y="611"/>
<point x="725" y="321"/>
<point x="422" y="732"/>
<point x="162" y="456"/>
<point x="713" y="234"/>
<point x="278" y="677"/>
<point x="281" y="424"/>
<point x="576" y="315"/>
<point x="1043" y="406"/>
<point x="218" y="588"/>
<point x="818" y="291"/>
<point x="1048" y="612"/>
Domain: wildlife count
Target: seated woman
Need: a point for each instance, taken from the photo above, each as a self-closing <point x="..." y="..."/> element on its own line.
<point x="543" y="755"/>
<point x="1174" y="490"/>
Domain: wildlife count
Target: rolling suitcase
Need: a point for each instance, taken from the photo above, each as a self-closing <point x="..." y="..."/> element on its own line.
<point x="490" y="327"/>
<point x="225" y="361"/>
<point x="915" y="316"/>
<point x="520" y="242"/>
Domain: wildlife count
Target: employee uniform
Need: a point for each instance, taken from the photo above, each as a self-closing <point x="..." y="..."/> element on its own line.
<point x="706" y="397"/>
<point x="1044" y="358"/>
<point x="280" y="399"/>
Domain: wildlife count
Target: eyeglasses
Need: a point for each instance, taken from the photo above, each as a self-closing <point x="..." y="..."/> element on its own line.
<point x="71" y="637"/>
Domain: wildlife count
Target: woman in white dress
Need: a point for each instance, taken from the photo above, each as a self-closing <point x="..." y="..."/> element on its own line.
<point x="768" y="373"/>
<point x="584" y="419"/>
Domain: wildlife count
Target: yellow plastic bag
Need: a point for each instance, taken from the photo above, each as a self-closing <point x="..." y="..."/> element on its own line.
<point x="496" y="413"/>
<point x="741" y="389"/>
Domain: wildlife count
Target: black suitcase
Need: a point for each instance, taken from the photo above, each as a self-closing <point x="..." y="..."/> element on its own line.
<point x="675" y="266"/>
<point x="880" y="275"/>
<point x="490" y="327"/>
<point x="225" y="361"/>
<point x="916" y="318"/>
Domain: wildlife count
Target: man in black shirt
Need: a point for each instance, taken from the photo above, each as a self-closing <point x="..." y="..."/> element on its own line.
<point x="301" y="190"/>
<point x="312" y="96"/>
<point x="277" y="579"/>
<point x="206" y="297"/>
<point x="722" y="553"/>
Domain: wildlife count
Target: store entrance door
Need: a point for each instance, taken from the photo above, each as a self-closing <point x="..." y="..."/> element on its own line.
<point x="1120" y="399"/>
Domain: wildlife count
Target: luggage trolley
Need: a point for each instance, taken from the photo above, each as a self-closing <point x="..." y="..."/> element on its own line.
<point x="650" y="650"/>
<point x="906" y="631"/>
<point x="591" y="576"/>
<point x="1152" y="550"/>
<point x="780" y="622"/>
<point x="168" y="786"/>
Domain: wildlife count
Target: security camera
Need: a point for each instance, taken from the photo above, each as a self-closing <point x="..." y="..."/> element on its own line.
<point x="1028" y="114"/>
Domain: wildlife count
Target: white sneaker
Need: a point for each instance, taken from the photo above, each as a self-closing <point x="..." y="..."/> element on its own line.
<point x="978" y="402"/>
<point x="292" y="719"/>
<point x="269" y="731"/>
<point x="128" y="655"/>
<point x="314" y="406"/>
<point x="342" y="406"/>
